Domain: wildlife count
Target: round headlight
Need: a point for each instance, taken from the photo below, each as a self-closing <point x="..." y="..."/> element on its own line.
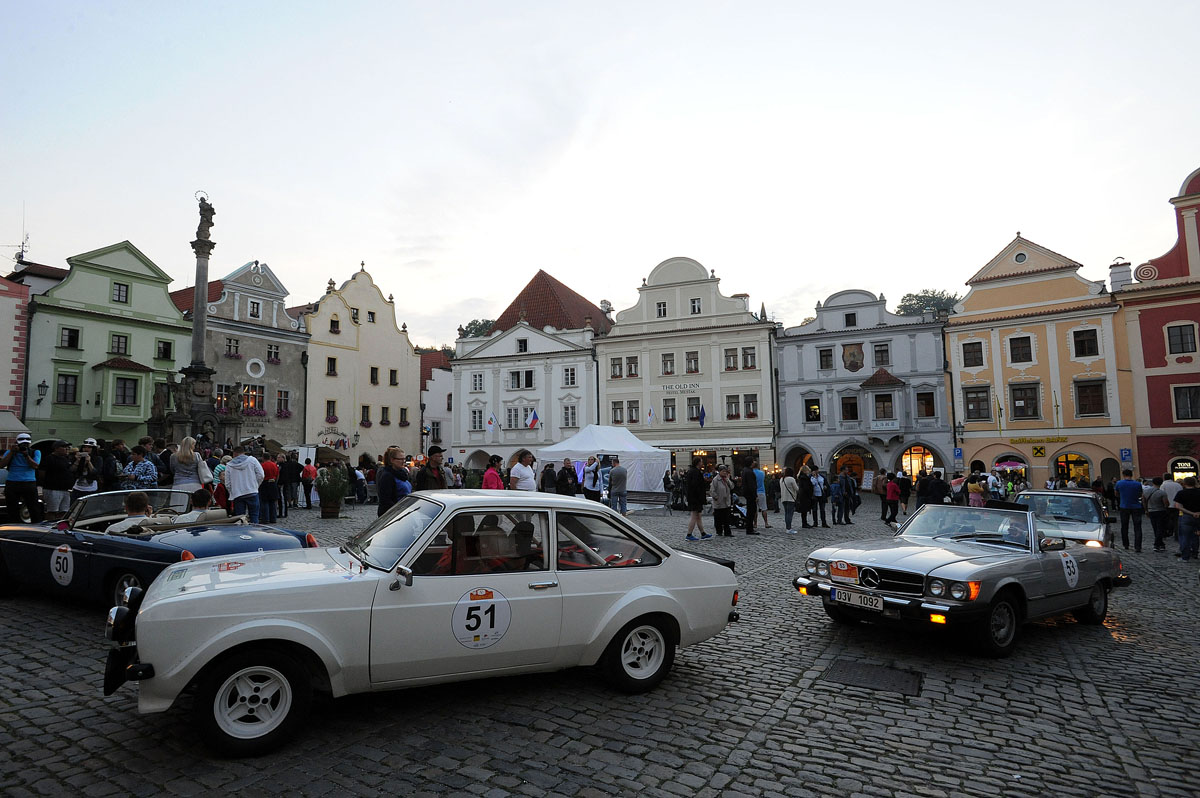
<point x="958" y="591"/>
<point x="810" y="566"/>
<point x="937" y="588"/>
<point x="822" y="569"/>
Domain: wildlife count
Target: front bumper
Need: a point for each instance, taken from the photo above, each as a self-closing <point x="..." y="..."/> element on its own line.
<point x="916" y="609"/>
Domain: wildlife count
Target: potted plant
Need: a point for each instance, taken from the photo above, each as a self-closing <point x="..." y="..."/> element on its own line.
<point x="332" y="484"/>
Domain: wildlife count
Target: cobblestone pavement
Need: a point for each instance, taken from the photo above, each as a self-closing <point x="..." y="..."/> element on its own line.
<point x="1076" y="711"/>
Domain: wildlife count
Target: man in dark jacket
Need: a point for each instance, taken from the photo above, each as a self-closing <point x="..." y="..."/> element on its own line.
<point x="567" y="481"/>
<point x="433" y="475"/>
<point x="749" y="492"/>
<point x="939" y="489"/>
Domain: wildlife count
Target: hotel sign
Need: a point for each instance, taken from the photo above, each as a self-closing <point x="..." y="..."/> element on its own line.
<point x="679" y="388"/>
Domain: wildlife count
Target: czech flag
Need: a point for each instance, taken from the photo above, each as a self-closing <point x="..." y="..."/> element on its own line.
<point x="650" y="416"/>
<point x="701" y="416"/>
<point x="533" y="420"/>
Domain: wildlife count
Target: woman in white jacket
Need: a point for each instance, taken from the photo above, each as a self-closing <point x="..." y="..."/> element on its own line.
<point x="592" y="484"/>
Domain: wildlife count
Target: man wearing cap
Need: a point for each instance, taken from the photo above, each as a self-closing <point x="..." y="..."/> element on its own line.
<point x="433" y="475"/>
<point x="22" y="463"/>
<point x="58" y="476"/>
<point x="87" y="470"/>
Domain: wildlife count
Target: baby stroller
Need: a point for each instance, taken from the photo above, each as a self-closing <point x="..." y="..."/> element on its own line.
<point x="737" y="513"/>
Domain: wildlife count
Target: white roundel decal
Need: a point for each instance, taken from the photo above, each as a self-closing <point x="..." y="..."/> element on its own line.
<point x="1070" y="568"/>
<point x="480" y="618"/>
<point x="62" y="565"/>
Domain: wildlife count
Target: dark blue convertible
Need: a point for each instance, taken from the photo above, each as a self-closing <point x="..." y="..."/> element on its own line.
<point x="76" y="557"/>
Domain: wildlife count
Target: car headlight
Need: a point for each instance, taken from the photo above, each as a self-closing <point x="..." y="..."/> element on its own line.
<point x="822" y="568"/>
<point x="810" y="567"/>
<point x="937" y="588"/>
<point x="958" y="591"/>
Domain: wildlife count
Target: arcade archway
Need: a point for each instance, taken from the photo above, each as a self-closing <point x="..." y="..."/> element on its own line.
<point x="859" y="458"/>
<point x="1073" y="466"/>
<point x="797" y="457"/>
<point x="918" y="458"/>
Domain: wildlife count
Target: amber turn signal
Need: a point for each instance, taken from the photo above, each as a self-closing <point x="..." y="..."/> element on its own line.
<point x="937" y="618"/>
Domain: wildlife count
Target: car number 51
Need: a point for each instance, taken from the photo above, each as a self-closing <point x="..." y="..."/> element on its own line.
<point x="481" y="618"/>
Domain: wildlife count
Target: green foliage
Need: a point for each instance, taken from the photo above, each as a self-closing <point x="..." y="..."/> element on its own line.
<point x="476" y="328"/>
<point x="927" y="301"/>
<point x="332" y="483"/>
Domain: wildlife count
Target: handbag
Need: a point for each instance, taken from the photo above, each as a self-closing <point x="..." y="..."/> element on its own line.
<point x="204" y="472"/>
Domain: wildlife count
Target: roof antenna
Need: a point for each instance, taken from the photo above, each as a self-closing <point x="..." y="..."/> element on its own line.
<point x="23" y="247"/>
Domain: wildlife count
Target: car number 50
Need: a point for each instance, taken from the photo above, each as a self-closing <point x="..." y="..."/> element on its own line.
<point x="481" y="618"/>
<point x="62" y="565"/>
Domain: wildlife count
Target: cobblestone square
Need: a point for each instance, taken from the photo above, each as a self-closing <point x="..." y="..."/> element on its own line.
<point x="1076" y="711"/>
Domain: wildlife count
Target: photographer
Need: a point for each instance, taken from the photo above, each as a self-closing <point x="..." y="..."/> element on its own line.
<point x="87" y="470"/>
<point x="58" y="476"/>
<point x="22" y="464"/>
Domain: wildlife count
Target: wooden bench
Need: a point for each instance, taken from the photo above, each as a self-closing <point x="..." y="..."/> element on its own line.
<point x="652" y="497"/>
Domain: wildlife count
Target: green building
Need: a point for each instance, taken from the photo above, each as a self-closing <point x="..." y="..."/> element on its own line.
<point x="99" y="342"/>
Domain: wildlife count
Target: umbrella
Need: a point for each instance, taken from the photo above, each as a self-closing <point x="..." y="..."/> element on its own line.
<point x="1010" y="464"/>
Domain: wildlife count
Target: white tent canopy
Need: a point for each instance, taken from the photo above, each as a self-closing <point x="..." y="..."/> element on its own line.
<point x="646" y="464"/>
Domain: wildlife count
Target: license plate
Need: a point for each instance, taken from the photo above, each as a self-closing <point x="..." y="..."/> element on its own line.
<point x="856" y="599"/>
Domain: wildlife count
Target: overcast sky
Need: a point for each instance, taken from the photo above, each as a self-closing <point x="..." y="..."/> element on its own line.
<point x="796" y="148"/>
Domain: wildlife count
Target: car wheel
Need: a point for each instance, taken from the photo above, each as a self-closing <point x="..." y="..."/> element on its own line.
<point x="252" y="701"/>
<point x="1096" y="609"/>
<point x="640" y="656"/>
<point x="998" y="632"/>
<point x="121" y="581"/>
<point x="839" y="615"/>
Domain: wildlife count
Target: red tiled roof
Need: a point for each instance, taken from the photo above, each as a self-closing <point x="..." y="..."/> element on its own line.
<point x="431" y="361"/>
<point x="882" y="378"/>
<point x="545" y="302"/>
<point x="39" y="270"/>
<point x="123" y="363"/>
<point x="299" y="310"/>
<point x="184" y="297"/>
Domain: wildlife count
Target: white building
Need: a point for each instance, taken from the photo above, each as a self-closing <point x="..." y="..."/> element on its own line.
<point x="689" y="369"/>
<point x="864" y="387"/>
<point x="437" y="402"/>
<point x="531" y="381"/>
<point x="364" y="378"/>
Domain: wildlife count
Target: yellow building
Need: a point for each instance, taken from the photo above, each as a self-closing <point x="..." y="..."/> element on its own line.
<point x="1040" y="379"/>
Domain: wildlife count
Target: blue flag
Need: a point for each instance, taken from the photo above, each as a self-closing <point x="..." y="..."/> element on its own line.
<point x="701" y="416"/>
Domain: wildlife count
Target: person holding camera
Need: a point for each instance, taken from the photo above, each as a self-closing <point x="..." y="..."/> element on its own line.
<point x="58" y="475"/>
<point x="87" y="470"/>
<point x="22" y="463"/>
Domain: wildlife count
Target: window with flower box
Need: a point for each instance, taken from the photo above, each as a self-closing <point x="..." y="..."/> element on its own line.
<point x="750" y="405"/>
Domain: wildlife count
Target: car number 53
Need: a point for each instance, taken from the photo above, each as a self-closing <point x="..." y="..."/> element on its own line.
<point x="481" y="618"/>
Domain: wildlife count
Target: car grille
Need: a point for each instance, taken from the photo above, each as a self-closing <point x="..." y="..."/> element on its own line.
<point x="902" y="582"/>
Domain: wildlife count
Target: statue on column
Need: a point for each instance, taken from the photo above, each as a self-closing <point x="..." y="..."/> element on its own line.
<point x="207" y="212"/>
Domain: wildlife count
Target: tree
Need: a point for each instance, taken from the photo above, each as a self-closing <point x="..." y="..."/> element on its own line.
<point x="476" y="328"/>
<point x="927" y="301"/>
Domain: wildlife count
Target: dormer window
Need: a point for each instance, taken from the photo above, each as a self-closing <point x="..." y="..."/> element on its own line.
<point x="695" y="306"/>
<point x="335" y="326"/>
<point x="522" y="345"/>
<point x="660" y="310"/>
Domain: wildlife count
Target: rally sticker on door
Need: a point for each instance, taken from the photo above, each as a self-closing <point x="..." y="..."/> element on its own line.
<point x="62" y="565"/>
<point x="481" y="618"/>
<point x="1070" y="568"/>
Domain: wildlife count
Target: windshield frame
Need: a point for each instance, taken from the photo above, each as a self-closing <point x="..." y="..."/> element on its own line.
<point x="359" y="545"/>
<point x="96" y="499"/>
<point x="1032" y="496"/>
<point x="926" y="512"/>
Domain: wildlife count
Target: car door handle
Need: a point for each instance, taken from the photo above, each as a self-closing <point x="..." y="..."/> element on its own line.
<point x="542" y="585"/>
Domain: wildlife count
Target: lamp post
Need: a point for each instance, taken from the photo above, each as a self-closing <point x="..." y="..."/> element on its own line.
<point x="42" y="390"/>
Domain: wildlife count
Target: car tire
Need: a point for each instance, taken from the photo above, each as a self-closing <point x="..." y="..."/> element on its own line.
<point x="998" y="632"/>
<point x="839" y="615"/>
<point x="232" y="715"/>
<point x="118" y="583"/>
<point x="1095" y="611"/>
<point x="640" y="655"/>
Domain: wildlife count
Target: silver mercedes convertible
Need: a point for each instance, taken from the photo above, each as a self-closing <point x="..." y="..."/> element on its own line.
<point x="984" y="570"/>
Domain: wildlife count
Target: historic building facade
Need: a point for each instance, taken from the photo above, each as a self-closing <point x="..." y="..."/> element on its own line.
<point x="364" y="377"/>
<point x="437" y="401"/>
<point x="14" y="338"/>
<point x="531" y="381"/>
<point x="102" y="340"/>
<point x="1040" y="369"/>
<point x="863" y="387"/>
<point x="258" y="351"/>
<point x="1160" y="315"/>
<point x="689" y="369"/>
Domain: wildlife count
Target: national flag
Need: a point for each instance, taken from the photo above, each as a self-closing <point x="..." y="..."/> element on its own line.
<point x="533" y="420"/>
<point x="701" y="416"/>
<point x="650" y="416"/>
<point x="492" y="421"/>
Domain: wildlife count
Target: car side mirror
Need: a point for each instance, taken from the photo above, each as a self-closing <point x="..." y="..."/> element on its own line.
<point x="403" y="575"/>
<point x="1053" y="544"/>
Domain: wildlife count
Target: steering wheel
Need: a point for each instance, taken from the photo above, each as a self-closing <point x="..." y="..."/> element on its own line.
<point x="166" y="512"/>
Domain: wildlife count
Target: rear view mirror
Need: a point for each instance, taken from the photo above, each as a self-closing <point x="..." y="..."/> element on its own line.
<point x="403" y="576"/>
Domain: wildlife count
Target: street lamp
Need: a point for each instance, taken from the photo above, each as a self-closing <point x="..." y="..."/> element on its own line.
<point x="42" y="390"/>
<point x="959" y="432"/>
<point x="354" y="440"/>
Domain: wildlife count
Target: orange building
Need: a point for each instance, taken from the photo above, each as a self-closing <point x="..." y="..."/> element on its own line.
<point x="1040" y="370"/>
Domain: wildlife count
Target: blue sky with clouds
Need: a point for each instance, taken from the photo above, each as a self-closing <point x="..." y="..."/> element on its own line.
<point x="796" y="148"/>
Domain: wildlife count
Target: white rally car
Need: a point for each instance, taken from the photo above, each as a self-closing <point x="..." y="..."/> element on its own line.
<point x="446" y="586"/>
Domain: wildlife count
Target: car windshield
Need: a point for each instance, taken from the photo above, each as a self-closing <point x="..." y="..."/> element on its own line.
<point x="1079" y="509"/>
<point x="384" y="542"/>
<point x="100" y="505"/>
<point x="1007" y="527"/>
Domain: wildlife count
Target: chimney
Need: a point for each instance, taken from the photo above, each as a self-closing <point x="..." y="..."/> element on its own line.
<point x="1120" y="276"/>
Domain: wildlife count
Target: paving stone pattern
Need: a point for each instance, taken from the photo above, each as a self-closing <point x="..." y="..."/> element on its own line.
<point x="1076" y="711"/>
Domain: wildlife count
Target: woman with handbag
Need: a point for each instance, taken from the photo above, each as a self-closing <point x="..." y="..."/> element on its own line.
<point x="189" y="468"/>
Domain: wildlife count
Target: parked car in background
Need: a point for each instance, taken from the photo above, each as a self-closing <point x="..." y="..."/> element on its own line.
<point x="1072" y="514"/>
<point x="76" y="557"/>
<point x="446" y="586"/>
<point x="985" y="571"/>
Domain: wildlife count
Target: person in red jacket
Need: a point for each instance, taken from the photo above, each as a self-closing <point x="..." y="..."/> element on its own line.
<point x="308" y="475"/>
<point x="268" y="491"/>
<point x="891" y="498"/>
<point x="491" y="478"/>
